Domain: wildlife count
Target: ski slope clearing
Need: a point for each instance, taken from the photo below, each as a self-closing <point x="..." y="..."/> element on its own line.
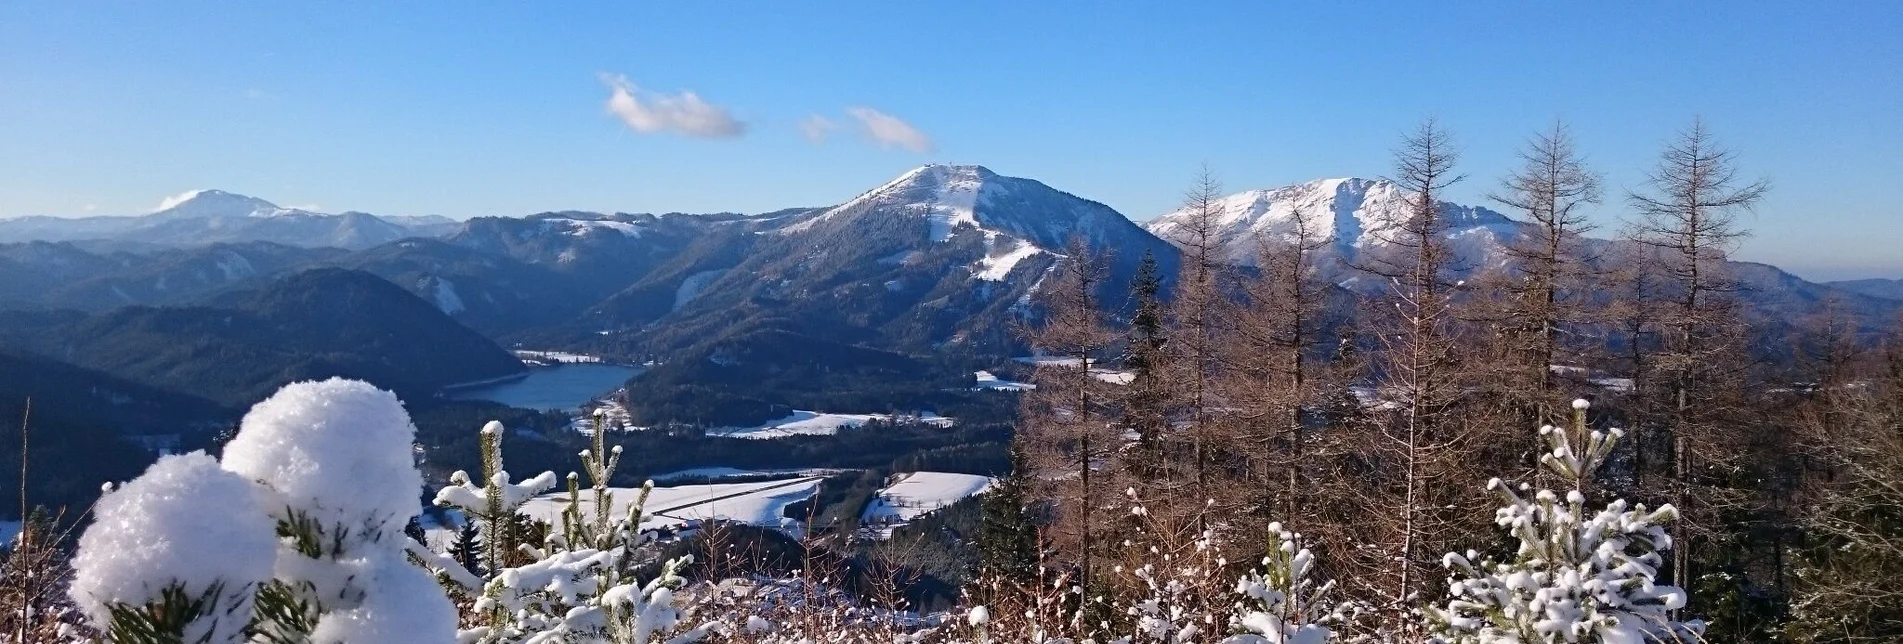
<point x="916" y="494"/>
<point x="814" y="423"/>
<point x="758" y="504"/>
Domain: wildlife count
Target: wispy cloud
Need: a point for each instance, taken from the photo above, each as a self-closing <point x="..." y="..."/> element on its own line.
<point x="888" y="130"/>
<point x="816" y="128"/>
<point x="683" y="113"/>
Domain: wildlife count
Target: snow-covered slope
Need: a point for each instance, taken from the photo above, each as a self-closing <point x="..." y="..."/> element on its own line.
<point x="1355" y="215"/>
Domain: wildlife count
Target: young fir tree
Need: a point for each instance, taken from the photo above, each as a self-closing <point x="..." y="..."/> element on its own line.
<point x="1580" y="574"/>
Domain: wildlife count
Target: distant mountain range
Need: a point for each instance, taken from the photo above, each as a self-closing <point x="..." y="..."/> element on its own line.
<point x="938" y="261"/>
<point x="213" y="216"/>
<point x="1876" y="287"/>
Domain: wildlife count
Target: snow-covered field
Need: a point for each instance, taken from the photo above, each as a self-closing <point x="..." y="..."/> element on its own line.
<point x="988" y="380"/>
<point x="918" y="493"/>
<point x="813" y="423"/>
<point x="722" y="472"/>
<point x="759" y="504"/>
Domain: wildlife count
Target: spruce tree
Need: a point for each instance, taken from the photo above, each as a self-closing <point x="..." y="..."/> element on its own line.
<point x="467" y="548"/>
<point x="1007" y="535"/>
<point x="1146" y="397"/>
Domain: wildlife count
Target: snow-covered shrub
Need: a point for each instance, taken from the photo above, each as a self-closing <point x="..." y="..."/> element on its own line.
<point x="579" y="585"/>
<point x="1580" y="575"/>
<point x="494" y="503"/>
<point x="297" y="536"/>
<point x="1285" y="606"/>
<point x="177" y="554"/>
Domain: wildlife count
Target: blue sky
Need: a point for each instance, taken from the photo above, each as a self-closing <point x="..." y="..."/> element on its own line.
<point x="504" y="109"/>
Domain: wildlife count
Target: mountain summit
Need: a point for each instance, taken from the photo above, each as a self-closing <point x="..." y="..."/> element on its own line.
<point x="202" y="204"/>
<point x="1353" y="214"/>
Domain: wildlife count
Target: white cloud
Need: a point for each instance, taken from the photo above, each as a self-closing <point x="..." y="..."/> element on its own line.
<point x="817" y="128"/>
<point x="683" y="113"/>
<point x="889" y="131"/>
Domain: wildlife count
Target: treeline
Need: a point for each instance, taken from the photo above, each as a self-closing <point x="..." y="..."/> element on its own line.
<point x="1371" y="428"/>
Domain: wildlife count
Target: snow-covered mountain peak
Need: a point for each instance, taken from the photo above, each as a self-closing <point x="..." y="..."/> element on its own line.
<point x="954" y="197"/>
<point x="1353" y="213"/>
<point x="206" y="204"/>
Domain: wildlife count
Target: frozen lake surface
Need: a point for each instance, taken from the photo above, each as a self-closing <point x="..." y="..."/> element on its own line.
<point x="563" y="387"/>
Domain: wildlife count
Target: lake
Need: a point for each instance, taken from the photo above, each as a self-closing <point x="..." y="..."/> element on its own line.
<point x="563" y="387"/>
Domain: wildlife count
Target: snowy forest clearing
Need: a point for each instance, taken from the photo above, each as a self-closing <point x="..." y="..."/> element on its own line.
<point x="916" y="494"/>
<point x="988" y="380"/>
<point x="813" y="423"/>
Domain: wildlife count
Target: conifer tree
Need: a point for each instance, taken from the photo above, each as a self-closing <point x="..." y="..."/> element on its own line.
<point x="1007" y="533"/>
<point x="1146" y="398"/>
<point x="467" y="548"/>
<point x="1579" y="574"/>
